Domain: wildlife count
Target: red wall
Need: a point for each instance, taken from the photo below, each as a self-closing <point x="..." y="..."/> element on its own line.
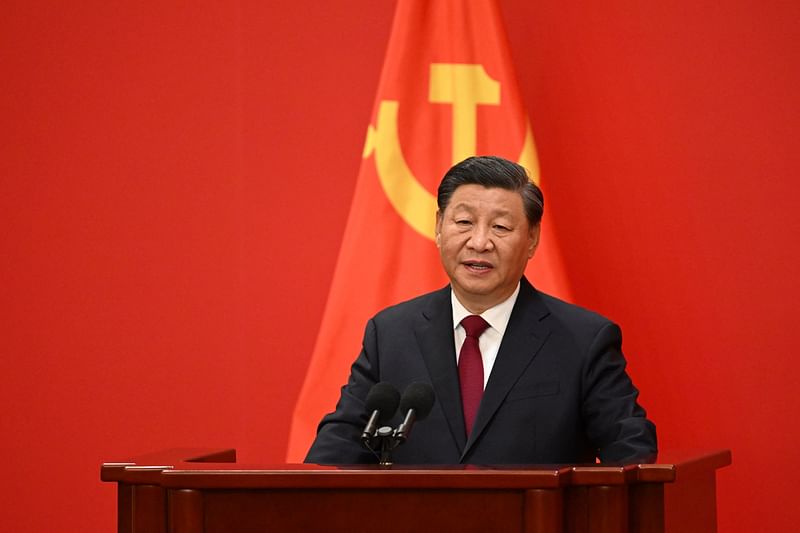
<point x="174" y="182"/>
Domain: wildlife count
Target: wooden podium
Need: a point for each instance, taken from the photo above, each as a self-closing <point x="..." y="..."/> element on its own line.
<point x="194" y="490"/>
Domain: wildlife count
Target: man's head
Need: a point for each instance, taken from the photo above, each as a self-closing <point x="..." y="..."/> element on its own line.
<point x="487" y="228"/>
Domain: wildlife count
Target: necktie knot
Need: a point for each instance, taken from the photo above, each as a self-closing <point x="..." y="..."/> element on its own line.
<point x="474" y="325"/>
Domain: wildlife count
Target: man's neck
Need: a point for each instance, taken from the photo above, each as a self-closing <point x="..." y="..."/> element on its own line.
<point x="478" y="306"/>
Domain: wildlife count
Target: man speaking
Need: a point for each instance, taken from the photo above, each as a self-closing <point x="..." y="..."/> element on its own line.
<point x="519" y="377"/>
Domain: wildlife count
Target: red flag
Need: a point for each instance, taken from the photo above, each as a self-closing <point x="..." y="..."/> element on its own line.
<point x="447" y="91"/>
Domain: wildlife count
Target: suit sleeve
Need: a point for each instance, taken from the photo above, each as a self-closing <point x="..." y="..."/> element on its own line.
<point x="615" y="422"/>
<point x="338" y="438"/>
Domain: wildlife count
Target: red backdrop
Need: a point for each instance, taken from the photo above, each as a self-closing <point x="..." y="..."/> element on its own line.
<point x="175" y="179"/>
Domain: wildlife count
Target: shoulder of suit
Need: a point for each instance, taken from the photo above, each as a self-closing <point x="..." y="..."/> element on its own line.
<point x="572" y="314"/>
<point x="415" y="305"/>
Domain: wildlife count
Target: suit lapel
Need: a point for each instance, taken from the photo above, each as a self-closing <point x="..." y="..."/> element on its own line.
<point x="525" y="334"/>
<point x="435" y="337"/>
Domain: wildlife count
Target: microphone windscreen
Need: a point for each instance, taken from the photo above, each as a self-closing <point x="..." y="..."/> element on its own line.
<point x="384" y="398"/>
<point x="418" y="396"/>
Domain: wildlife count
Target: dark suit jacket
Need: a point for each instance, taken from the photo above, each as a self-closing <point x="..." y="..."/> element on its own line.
<point x="558" y="392"/>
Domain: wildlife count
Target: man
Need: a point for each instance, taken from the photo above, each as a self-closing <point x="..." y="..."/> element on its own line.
<point x="519" y="377"/>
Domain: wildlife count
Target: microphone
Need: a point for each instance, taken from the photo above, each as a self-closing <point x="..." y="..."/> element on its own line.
<point x="416" y="403"/>
<point x="381" y="403"/>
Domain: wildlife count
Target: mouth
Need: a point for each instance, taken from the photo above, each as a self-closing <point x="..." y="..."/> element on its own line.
<point x="477" y="266"/>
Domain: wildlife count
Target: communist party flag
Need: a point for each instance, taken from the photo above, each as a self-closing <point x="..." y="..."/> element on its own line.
<point x="447" y="92"/>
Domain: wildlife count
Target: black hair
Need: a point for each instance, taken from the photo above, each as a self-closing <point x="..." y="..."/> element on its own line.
<point x="492" y="171"/>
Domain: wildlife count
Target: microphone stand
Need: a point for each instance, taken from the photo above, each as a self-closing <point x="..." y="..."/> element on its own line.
<point x="388" y="444"/>
<point x="388" y="439"/>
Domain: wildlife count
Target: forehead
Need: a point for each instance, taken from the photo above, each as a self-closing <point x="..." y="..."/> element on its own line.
<point x="490" y="200"/>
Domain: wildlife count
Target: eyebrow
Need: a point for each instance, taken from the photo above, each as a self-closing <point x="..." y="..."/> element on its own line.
<point x="467" y="207"/>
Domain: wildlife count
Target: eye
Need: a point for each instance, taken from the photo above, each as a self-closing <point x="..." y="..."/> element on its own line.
<point x="500" y="227"/>
<point x="463" y="222"/>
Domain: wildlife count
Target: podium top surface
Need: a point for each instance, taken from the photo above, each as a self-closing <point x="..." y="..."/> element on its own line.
<point x="193" y="468"/>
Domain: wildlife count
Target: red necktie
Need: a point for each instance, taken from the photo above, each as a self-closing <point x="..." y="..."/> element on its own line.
<point x="470" y="369"/>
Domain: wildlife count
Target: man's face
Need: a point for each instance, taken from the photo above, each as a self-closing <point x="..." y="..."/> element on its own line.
<point x="485" y="242"/>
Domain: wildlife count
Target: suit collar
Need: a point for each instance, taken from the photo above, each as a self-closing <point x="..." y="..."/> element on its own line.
<point x="435" y="337"/>
<point x="526" y="333"/>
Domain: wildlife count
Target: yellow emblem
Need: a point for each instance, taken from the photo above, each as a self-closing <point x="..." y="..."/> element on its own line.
<point x="464" y="87"/>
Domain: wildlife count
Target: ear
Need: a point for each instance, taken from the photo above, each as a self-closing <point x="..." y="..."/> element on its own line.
<point x="438" y="229"/>
<point x="533" y="239"/>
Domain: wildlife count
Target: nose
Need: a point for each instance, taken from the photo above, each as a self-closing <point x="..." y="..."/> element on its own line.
<point x="480" y="239"/>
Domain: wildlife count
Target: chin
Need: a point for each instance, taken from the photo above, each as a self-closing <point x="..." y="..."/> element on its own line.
<point x="476" y="289"/>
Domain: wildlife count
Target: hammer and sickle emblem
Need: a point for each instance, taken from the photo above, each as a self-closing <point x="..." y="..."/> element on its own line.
<point x="464" y="87"/>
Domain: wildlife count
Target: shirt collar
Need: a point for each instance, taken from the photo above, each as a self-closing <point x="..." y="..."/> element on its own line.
<point x="497" y="316"/>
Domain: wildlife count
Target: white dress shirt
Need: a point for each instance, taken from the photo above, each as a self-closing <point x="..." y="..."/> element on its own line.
<point x="490" y="340"/>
